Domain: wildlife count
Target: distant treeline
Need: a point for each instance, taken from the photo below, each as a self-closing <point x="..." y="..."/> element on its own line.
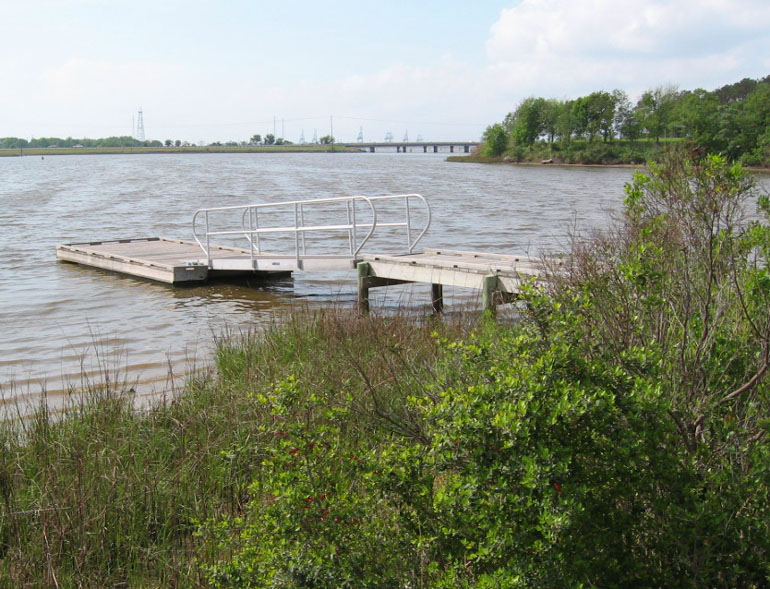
<point x="125" y="141"/>
<point x="606" y="127"/>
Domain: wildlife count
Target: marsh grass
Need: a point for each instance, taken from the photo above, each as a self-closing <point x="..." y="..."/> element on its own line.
<point x="104" y="494"/>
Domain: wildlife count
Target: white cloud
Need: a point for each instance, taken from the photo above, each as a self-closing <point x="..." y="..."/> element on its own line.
<point x="552" y="48"/>
<point x="569" y="47"/>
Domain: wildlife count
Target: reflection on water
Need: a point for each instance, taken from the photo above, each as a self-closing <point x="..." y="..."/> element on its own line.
<point x="60" y="321"/>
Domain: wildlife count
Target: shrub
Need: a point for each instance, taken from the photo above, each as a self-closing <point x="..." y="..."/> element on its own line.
<point x="614" y="437"/>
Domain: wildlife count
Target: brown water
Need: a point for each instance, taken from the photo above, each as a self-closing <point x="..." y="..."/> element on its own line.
<point x="61" y="323"/>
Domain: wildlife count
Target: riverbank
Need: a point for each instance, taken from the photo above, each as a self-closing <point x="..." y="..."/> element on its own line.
<point x="103" y="495"/>
<point x="43" y="151"/>
<point x="480" y="159"/>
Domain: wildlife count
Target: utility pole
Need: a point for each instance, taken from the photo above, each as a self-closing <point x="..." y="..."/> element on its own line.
<point x="140" y="126"/>
<point x="331" y="127"/>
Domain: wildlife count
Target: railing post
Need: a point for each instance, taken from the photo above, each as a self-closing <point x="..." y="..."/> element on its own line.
<point x="296" y="234"/>
<point x="208" y="241"/>
<point x="302" y="223"/>
<point x="408" y="226"/>
<point x="251" y="238"/>
<point x="256" y="226"/>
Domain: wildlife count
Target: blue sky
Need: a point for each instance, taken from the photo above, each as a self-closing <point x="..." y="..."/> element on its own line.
<point x="206" y="70"/>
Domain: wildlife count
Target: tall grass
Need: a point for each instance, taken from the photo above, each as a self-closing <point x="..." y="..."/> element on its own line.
<point x="106" y="495"/>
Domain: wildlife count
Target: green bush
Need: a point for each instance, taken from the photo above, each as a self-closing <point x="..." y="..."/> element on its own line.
<point x="615" y="437"/>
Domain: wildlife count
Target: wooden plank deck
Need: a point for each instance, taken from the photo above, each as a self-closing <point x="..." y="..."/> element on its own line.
<point x="498" y="276"/>
<point x="157" y="258"/>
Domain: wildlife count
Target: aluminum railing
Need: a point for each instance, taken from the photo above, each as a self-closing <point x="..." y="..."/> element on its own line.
<point x="352" y="208"/>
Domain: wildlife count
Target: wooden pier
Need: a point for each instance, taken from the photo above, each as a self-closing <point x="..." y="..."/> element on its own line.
<point x="499" y="277"/>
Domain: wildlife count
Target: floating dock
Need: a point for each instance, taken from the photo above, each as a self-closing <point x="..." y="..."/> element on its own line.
<point x="172" y="261"/>
<point x="355" y="219"/>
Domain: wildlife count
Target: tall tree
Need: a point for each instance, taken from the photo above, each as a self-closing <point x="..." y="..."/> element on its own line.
<point x="599" y="114"/>
<point x="526" y="123"/>
<point x="495" y="140"/>
<point x="552" y="110"/>
<point x="654" y="108"/>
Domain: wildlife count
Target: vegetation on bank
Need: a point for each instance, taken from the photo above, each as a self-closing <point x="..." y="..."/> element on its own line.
<point x="17" y="146"/>
<point x="606" y="128"/>
<point x="189" y="149"/>
<point x="614" y="435"/>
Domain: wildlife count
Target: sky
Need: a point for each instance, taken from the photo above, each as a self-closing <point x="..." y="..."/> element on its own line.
<point x="224" y="70"/>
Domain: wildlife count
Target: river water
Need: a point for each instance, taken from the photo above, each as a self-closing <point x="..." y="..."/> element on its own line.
<point x="64" y="325"/>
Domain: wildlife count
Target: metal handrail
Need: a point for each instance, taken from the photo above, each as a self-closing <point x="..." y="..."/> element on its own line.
<point x="251" y="230"/>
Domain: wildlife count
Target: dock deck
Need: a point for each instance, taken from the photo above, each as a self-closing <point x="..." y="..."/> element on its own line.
<point x="498" y="276"/>
<point x="354" y="219"/>
<point x="166" y="260"/>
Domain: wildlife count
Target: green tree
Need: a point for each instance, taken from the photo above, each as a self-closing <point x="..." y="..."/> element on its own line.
<point x="495" y="140"/>
<point x="526" y="123"/>
<point x="750" y="121"/>
<point x="655" y="108"/>
<point x="626" y="121"/>
<point x="256" y="139"/>
<point x="552" y="110"/>
<point x="579" y="116"/>
<point x="599" y="115"/>
<point x="269" y="139"/>
<point x="326" y="140"/>
<point x="697" y="114"/>
<point x="566" y="124"/>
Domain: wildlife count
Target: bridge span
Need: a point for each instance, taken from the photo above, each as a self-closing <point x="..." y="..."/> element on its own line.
<point x="403" y="146"/>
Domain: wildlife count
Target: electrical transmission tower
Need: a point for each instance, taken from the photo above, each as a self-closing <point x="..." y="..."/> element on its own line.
<point x="406" y="137"/>
<point x="419" y="139"/>
<point x="302" y="138"/>
<point x="360" y="135"/>
<point x="315" y="136"/>
<point x="139" y="126"/>
<point x="389" y="137"/>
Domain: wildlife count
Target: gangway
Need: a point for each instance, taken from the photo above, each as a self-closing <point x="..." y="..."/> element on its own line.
<point x="278" y="236"/>
<point x="267" y="238"/>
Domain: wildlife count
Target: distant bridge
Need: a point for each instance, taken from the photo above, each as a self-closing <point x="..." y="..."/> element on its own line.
<point x="401" y="146"/>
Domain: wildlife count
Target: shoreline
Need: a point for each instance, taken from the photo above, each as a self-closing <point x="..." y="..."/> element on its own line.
<point x="43" y="151"/>
<point x="475" y="159"/>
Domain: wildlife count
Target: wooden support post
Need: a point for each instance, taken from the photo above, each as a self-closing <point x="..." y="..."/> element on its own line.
<point x="435" y="149"/>
<point x="363" y="287"/>
<point x="437" y="298"/>
<point x="451" y="149"/>
<point x="488" y="293"/>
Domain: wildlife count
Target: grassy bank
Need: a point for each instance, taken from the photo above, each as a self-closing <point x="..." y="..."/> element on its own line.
<point x="43" y="151"/>
<point x="579" y="152"/>
<point x="106" y="496"/>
